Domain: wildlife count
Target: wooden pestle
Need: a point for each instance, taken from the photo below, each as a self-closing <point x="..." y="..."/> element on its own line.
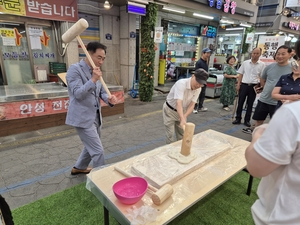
<point x="159" y="195"/>
<point x="187" y="139"/>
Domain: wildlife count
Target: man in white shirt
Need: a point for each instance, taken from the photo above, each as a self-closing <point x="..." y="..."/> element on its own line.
<point x="249" y="76"/>
<point x="180" y="103"/>
<point x="274" y="155"/>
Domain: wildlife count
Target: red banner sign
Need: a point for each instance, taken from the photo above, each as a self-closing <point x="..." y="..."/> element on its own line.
<point x="65" y="10"/>
<point x="24" y="109"/>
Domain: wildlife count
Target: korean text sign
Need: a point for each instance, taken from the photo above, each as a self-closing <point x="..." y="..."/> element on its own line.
<point x="65" y="10"/>
<point x="269" y="46"/>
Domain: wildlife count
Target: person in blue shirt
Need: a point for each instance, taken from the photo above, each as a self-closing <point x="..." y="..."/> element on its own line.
<point x="287" y="88"/>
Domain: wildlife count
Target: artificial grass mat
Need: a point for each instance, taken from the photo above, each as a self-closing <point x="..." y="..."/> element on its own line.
<point x="228" y="204"/>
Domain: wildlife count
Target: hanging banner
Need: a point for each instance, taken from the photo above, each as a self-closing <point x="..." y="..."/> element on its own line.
<point x="269" y="46"/>
<point x="158" y="34"/>
<point x="249" y="38"/>
<point x="66" y="10"/>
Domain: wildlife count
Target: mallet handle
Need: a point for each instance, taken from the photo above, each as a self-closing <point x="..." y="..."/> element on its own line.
<point x="92" y="63"/>
<point x="130" y="175"/>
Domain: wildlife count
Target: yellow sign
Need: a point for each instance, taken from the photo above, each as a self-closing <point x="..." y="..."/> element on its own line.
<point x="7" y="32"/>
<point x="16" y="7"/>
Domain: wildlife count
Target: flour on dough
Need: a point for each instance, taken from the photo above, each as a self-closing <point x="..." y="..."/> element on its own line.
<point x="175" y="154"/>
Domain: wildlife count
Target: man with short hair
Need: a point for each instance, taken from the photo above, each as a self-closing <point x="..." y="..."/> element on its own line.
<point x="249" y="76"/>
<point x="180" y="103"/>
<point x="266" y="105"/>
<point x="203" y="64"/>
<point x="84" y="112"/>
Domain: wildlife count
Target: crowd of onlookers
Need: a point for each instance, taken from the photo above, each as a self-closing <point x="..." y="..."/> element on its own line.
<point x="274" y="152"/>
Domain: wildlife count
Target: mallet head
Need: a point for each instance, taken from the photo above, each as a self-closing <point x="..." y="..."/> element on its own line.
<point x="80" y="26"/>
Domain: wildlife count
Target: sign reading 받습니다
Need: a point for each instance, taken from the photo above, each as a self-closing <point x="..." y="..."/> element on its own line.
<point x="65" y="10"/>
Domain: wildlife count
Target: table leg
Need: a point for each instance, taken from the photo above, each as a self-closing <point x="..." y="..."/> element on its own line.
<point x="249" y="185"/>
<point x="106" y="216"/>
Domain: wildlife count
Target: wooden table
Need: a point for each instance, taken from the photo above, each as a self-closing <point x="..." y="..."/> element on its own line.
<point x="187" y="191"/>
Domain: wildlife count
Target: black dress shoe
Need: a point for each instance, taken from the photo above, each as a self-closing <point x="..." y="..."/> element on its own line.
<point x="247" y="124"/>
<point x="236" y="121"/>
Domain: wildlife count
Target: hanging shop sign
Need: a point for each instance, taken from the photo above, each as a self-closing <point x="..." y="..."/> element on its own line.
<point x="158" y="34"/>
<point x="291" y="25"/>
<point x="66" y="10"/>
<point x="208" y="31"/>
<point x="228" y="6"/>
<point x="249" y="38"/>
<point x="269" y="45"/>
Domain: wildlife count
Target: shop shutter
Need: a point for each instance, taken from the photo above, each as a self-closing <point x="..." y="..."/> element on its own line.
<point x="92" y="33"/>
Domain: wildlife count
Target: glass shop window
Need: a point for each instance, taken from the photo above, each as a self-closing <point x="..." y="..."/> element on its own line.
<point x="15" y="55"/>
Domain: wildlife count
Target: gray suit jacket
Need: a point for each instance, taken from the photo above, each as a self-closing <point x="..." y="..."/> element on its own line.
<point x="83" y="96"/>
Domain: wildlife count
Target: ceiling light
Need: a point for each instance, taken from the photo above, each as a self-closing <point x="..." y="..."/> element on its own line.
<point x="106" y="5"/>
<point x="288" y="38"/>
<point x="141" y="1"/>
<point x="12" y="24"/>
<point x="226" y="21"/>
<point x="258" y="33"/>
<point x="203" y="16"/>
<point x="245" y="25"/>
<point x="173" y="9"/>
<point x="235" y="28"/>
<point x="232" y="34"/>
<point x="294" y="39"/>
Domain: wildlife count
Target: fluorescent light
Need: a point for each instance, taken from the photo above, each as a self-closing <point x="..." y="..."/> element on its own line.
<point x="141" y="1"/>
<point x="137" y="5"/>
<point x="294" y="39"/>
<point x="227" y="21"/>
<point x="232" y="34"/>
<point x="235" y="28"/>
<point x="12" y="24"/>
<point x="260" y="33"/>
<point x="173" y="9"/>
<point x="203" y="16"/>
<point x="245" y="25"/>
<point x="288" y="38"/>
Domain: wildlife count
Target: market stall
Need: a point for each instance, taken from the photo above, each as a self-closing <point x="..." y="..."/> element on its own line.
<point x="28" y="107"/>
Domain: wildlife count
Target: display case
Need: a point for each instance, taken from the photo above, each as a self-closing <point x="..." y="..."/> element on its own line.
<point x="28" y="107"/>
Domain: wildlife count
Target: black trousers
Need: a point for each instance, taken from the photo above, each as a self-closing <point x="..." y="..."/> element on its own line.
<point x="5" y="211"/>
<point x="246" y="91"/>
<point x="201" y="98"/>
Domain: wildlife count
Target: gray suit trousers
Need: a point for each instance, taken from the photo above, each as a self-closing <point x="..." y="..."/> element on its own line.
<point x="93" y="149"/>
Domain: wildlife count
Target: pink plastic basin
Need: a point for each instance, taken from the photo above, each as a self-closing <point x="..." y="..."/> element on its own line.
<point x="130" y="190"/>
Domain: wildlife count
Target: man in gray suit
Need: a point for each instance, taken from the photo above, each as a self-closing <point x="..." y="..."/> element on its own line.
<point x="84" y="112"/>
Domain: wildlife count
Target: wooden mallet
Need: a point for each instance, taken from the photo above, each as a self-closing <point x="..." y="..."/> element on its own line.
<point x="74" y="32"/>
<point x="159" y="195"/>
<point x="187" y="139"/>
